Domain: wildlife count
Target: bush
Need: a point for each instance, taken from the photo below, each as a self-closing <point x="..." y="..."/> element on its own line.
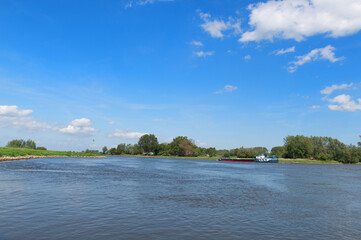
<point x="323" y="157"/>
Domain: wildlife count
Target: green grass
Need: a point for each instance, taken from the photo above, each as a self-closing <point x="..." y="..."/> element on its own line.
<point x="15" y="152"/>
<point x="306" y="160"/>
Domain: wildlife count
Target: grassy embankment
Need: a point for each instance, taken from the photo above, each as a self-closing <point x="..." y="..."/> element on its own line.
<point x="307" y="161"/>
<point x="23" y="152"/>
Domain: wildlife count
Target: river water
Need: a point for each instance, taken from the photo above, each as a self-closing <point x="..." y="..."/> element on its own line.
<point x="145" y="198"/>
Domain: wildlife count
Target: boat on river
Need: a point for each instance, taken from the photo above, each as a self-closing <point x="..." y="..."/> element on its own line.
<point x="261" y="158"/>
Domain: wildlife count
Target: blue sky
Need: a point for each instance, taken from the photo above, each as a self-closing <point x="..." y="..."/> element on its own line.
<point x="224" y="73"/>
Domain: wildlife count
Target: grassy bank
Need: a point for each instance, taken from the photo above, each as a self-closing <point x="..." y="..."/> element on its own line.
<point x="307" y="161"/>
<point x="16" y="152"/>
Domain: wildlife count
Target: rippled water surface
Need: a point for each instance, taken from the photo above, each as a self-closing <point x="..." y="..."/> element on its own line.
<point x="143" y="198"/>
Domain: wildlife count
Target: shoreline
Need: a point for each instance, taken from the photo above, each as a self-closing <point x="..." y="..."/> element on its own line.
<point x="26" y="157"/>
<point x="281" y="160"/>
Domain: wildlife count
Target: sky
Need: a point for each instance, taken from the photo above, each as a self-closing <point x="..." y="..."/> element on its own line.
<point x="89" y="73"/>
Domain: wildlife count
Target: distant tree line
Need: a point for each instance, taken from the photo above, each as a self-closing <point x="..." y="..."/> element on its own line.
<point x="148" y="145"/>
<point x="20" y="143"/>
<point x="321" y="148"/>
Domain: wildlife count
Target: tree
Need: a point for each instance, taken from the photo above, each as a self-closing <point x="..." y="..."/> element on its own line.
<point x="297" y="147"/>
<point x="359" y="143"/>
<point x="278" y="151"/>
<point x="149" y="143"/>
<point x="20" y="143"/>
<point x="246" y="153"/>
<point x="211" y="152"/>
<point x="113" y="151"/>
<point x="260" y="150"/>
<point x="105" y="150"/>
<point x="182" y="146"/>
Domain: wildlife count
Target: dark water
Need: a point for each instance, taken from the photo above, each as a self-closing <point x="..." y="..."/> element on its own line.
<point x="141" y="198"/>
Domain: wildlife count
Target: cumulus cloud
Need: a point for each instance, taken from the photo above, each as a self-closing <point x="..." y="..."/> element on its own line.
<point x="217" y="27"/>
<point x="12" y="116"/>
<point x="226" y="89"/>
<point x="13" y="110"/>
<point x="284" y="51"/>
<point x="197" y="43"/>
<point x="80" y="126"/>
<point x="203" y="54"/>
<point x="344" y="103"/>
<point x="299" y="19"/>
<point x="331" y="89"/>
<point x="326" y="53"/>
<point x="126" y="134"/>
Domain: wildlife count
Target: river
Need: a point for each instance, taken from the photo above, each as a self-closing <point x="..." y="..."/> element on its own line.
<point x="149" y="198"/>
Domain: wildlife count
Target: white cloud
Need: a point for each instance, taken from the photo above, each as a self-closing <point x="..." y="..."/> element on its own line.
<point x="227" y="88"/>
<point x="132" y="3"/>
<point x="248" y="57"/>
<point x="344" y="103"/>
<point x="80" y="126"/>
<point x="111" y="123"/>
<point x="331" y="89"/>
<point x="217" y="27"/>
<point x="12" y="116"/>
<point x="284" y="51"/>
<point x="203" y="54"/>
<point x="6" y="110"/>
<point x="325" y="53"/>
<point x="299" y="19"/>
<point x="197" y="43"/>
<point x="126" y="134"/>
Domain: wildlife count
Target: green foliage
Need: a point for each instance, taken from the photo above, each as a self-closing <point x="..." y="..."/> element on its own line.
<point x="182" y="146"/>
<point x="211" y="152"/>
<point x="226" y="154"/>
<point x="323" y="157"/>
<point x="92" y="151"/>
<point x="105" y="150"/>
<point x="20" y="143"/>
<point x="14" y="152"/>
<point x="321" y="148"/>
<point x="246" y="153"/>
<point x="112" y="151"/>
<point x="297" y="147"/>
<point x="278" y="151"/>
<point x="260" y="150"/>
<point x="41" y="148"/>
<point x="149" y="143"/>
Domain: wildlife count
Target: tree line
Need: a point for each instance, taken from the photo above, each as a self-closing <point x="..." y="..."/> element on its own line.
<point x="299" y="146"/>
<point x="321" y="148"/>
<point x="20" y="143"/>
<point x="148" y="145"/>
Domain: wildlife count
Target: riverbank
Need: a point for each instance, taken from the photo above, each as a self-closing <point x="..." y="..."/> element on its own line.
<point x="11" y="154"/>
<point x="281" y="160"/>
<point x="7" y="158"/>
